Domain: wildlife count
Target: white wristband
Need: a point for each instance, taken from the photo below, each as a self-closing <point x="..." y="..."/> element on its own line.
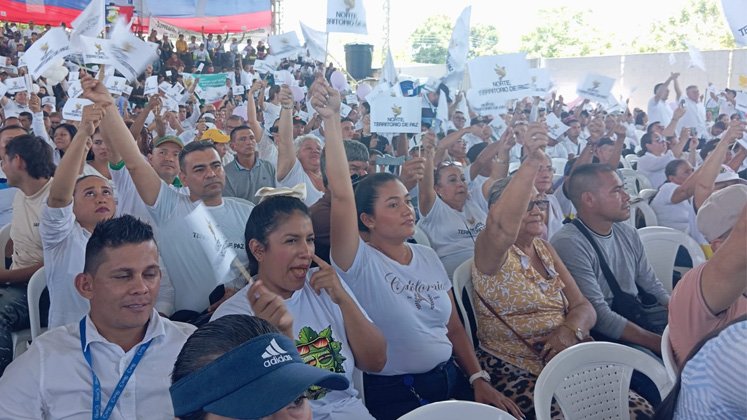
<point x="479" y="375"/>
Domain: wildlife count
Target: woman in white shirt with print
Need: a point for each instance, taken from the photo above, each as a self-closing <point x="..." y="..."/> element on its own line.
<point x="402" y="287"/>
<point x="329" y="328"/>
<point x="655" y="154"/>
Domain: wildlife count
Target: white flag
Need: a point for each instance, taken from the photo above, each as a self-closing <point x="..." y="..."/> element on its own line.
<point x="541" y="82"/>
<point x="483" y="103"/>
<point x="456" y="58"/>
<point x="696" y="57"/>
<point x="596" y="87"/>
<point x="672" y="59"/>
<point x="89" y="23"/>
<point x="316" y="43"/>
<point x="346" y="16"/>
<point x="3" y="89"/>
<point x="395" y="115"/>
<point x="741" y="101"/>
<point x="389" y="72"/>
<point x="151" y="86"/>
<point x="73" y="109"/>
<point x="45" y="51"/>
<point x="115" y="85"/>
<point x="94" y="50"/>
<point x="262" y="66"/>
<point x="215" y="245"/>
<point x="442" y="112"/>
<point x="15" y="84"/>
<point x="74" y="89"/>
<point x="501" y="76"/>
<point x="284" y="45"/>
<point x="734" y="10"/>
<point x="130" y="54"/>
<point x="555" y="127"/>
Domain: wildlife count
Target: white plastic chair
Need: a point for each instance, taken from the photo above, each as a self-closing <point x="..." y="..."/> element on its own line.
<point x="462" y="284"/>
<point x="558" y="165"/>
<point x="634" y="181"/>
<point x="455" y="409"/>
<point x="592" y="380"/>
<point x="4" y="238"/>
<point x="667" y="354"/>
<point x="647" y="194"/>
<point x="649" y="215"/>
<point x="36" y="286"/>
<point x="626" y="164"/>
<point x="661" y="244"/>
<point x="632" y="159"/>
<point x="420" y="237"/>
<point x="358" y="383"/>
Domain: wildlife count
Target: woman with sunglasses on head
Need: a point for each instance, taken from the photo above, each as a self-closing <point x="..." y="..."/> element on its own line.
<point x="655" y="154"/>
<point x="330" y="329"/>
<point x="402" y="287"/>
<point x="453" y="212"/>
<point x="299" y="160"/>
<point x="528" y="306"/>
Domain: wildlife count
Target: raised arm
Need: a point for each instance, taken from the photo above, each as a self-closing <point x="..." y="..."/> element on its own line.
<point x="504" y="218"/>
<point x="426" y="190"/>
<point x="251" y="109"/>
<point x="709" y="170"/>
<point x="671" y="129"/>
<point x="724" y="278"/>
<point x="286" y="149"/>
<point x="63" y="184"/>
<point x="619" y="130"/>
<point x="137" y="125"/>
<point x="344" y="232"/>
<point x="678" y="147"/>
<point x="112" y="126"/>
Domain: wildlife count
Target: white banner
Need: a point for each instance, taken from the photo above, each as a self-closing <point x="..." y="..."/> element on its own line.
<point x="151" y="86"/>
<point x="73" y="109"/>
<point x="115" y="84"/>
<point x="89" y="23"/>
<point x="486" y="104"/>
<point x="45" y="51"/>
<point x="395" y="115"/>
<point x="74" y="89"/>
<point x="742" y="101"/>
<point x="596" y="88"/>
<point x="164" y="28"/>
<point x="316" y="43"/>
<point x="555" y="127"/>
<point x="346" y="16"/>
<point x="456" y="57"/>
<point x="263" y="66"/>
<point x="736" y="16"/>
<point x="284" y="45"/>
<point x="15" y="84"/>
<point x="541" y="82"/>
<point x="94" y="50"/>
<point x="130" y="54"/>
<point x="389" y="72"/>
<point x="505" y="76"/>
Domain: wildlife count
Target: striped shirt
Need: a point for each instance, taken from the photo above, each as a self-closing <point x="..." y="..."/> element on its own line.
<point x="714" y="381"/>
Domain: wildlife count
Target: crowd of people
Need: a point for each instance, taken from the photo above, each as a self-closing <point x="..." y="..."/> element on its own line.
<point x="132" y="210"/>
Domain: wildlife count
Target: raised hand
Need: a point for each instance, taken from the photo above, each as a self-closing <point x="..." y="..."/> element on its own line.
<point x="535" y="140"/>
<point x="94" y="90"/>
<point x="325" y="99"/>
<point x="326" y="279"/>
<point x="270" y="307"/>
<point x="34" y="103"/>
<point x="92" y="116"/>
<point x="286" y="97"/>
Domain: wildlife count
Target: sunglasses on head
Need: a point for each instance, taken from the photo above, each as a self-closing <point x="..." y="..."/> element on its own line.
<point x="448" y="163"/>
<point x="541" y="204"/>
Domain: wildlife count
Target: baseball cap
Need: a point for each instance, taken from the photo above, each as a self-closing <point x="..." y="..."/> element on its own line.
<point x="168" y="139"/>
<point x="298" y="120"/>
<point x="727" y="174"/>
<point x="215" y="135"/>
<point x="253" y="380"/>
<point x="721" y="210"/>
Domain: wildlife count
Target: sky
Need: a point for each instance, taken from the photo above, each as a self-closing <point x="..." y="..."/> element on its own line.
<point x="627" y="19"/>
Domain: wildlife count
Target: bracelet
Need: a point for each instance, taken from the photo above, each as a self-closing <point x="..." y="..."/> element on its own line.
<point x="479" y="375"/>
<point x="286" y="107"/>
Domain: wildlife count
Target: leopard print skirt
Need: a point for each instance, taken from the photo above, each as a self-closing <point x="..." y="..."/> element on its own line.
<point x="518" y="384"/>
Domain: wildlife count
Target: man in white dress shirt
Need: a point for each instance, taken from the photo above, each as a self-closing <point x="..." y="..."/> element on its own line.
<point x="658" y="107"/>
<point x="117" y="360"/>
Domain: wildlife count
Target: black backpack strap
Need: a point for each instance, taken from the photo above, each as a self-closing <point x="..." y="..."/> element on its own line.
<point x="611" y="280"/>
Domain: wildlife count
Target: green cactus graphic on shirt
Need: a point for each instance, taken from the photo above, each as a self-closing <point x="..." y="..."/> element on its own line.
<point x="320" y="350"/>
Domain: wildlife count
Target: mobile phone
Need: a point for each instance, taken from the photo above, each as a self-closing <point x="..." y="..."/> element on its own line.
<point x="682" y="103"/>
<point x="693" y="131"/>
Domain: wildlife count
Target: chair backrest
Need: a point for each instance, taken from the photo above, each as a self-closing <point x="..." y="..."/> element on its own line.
<point x="4" y="238"/>
<point x="667" y="354"/>
<point x="456" y="409"/>
<point x="649" y="215"/>
<point x="558" y="165"/>
<point x="36" y="286"/>
<point x="626" y="164"/>
<point x="647" y="194"/>
<point x="592" y="380"/>
<point x="420" y="237"/>
<point x="661" y="245"/>
<point x="462" y="285"/>
<point x="629" y="177"/>
<point x="632" y="159"/>
<point x="358" y="383"/>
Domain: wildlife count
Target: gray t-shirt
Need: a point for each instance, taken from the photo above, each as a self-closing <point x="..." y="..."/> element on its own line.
<point x="244" y="183"/>
<point x="625" y="256"/>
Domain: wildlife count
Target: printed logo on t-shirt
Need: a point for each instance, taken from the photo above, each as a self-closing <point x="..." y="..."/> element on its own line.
<point x="473" y="231"/>
<point x="320" y="350"/>
<point x="420" y="293"/>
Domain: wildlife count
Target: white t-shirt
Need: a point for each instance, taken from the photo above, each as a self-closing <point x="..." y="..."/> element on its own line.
<point x="14" y="109"/>
<point x="271" y="113"/>
<point x="452" y="233"/>
<point x="24" y="230"/>
<point x="659" y="111"/>
<point x="410" y="304"/>
<point x="298" y="176"/>
<point x="695" y="117"/>
<point x="267" y="149"/>
<point x="314" y="316"/>
<point x="555" y="216"/>
<point x="557" y="151"/>
<point x="653" y="166"/>
<point x="188" y="265"/>
<point x="680" y="216"/>
<point x="573" y="148"/>
<point x="64" y="242"/>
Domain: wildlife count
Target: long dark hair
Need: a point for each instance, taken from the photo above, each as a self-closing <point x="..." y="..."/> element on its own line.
<point x="366" y="193"/>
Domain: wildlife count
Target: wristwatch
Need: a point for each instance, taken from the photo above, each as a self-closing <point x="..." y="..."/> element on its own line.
<point x="577" y="331"/>
<point x="479" y="375"/>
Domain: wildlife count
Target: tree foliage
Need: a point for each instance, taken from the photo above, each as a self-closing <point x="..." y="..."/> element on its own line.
<point x="430" y="41"/>
<point x="566" y="33"/>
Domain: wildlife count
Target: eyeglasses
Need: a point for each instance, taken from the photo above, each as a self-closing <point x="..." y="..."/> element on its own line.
<point x="541" y="204"/>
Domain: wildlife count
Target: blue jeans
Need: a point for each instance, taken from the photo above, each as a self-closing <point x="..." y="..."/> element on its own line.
<point x="390" y="397"/>
<point x="14" y="316"/>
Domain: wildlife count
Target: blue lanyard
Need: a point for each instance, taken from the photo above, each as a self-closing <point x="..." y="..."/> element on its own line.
<point x="96" y="409"/>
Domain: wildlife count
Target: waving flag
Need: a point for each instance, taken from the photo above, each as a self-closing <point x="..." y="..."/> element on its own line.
<point x="90" y="23"/>
<point x="284" y="45"/>
<point x="130" y="54"/>
<point x="389" y="72"/>
<point x="45" y="51"/>
<point x="734" y="10"/>
<point x="346" y="16"/>
<point x="316" y="43"/>
<point x="456" y="58"/>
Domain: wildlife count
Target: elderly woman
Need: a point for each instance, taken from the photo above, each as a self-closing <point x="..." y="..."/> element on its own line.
<point x="528" y="306"/>
<point x="299" y="161"/>
<point x="655" y="154"/>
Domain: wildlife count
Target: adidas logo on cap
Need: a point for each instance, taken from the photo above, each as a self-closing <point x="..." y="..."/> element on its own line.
<point x="275" y="354"/>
